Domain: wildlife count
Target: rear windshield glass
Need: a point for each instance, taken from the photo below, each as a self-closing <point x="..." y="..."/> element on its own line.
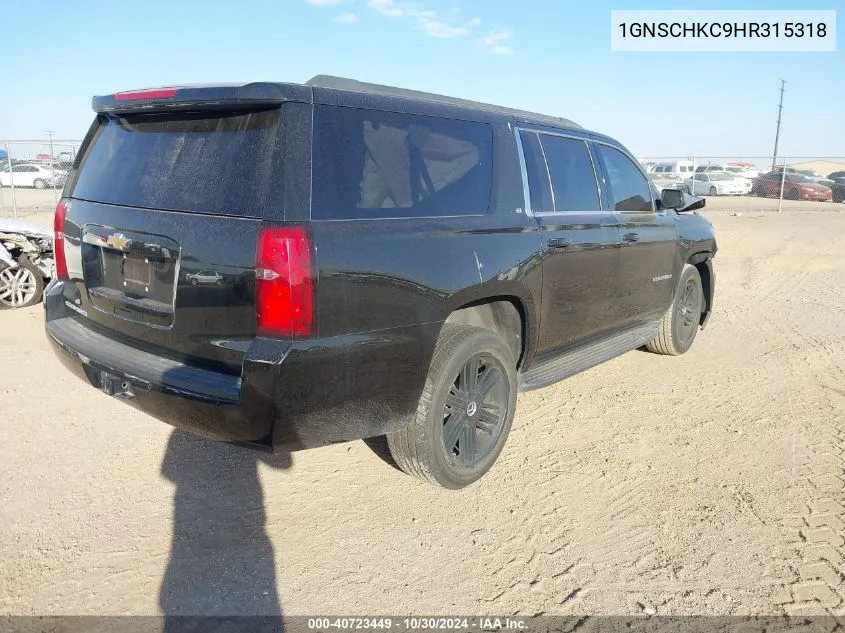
<point x="373" y="164"/>
<point x="225" y="163"/>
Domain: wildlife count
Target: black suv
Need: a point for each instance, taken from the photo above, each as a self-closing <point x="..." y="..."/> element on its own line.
<point x="285" y="266"/>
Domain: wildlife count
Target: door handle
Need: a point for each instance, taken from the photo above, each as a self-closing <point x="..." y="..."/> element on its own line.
<point x="631" y="237"/>
<point x="558" y="242"/>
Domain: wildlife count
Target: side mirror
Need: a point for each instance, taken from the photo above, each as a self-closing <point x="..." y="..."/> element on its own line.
<point x="672" y="198"/>
<point x="680" y="201"/>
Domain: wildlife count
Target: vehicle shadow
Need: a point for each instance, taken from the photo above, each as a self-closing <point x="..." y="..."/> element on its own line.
<point x="221" y="560"/>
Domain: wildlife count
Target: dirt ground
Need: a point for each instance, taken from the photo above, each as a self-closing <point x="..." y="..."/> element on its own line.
<point x="712" y="483"/>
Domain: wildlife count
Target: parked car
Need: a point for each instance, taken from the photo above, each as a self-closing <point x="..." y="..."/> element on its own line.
<point x="837" y="185"/>
<point x="667" y="181"/>
<point x="814" y="176"/>
<point x="809" y="174"/>
<point x="680" y="167"/>
<point x="26" y="263"/>
<point x="205" y="277"/>
<point x="735" y="170"/>
<point x="717" y="183"/>
<point x="795" y="187"/>
<point x="402" y="263"/>
<point x="30" y="175"/>
<point x="745" y="172"/>
<point x="710" y="167"/>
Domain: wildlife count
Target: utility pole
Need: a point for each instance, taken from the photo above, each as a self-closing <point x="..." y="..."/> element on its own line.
<point x="777" y="133"/>
<point x="50" y="135"/>
<point x="52" y="164"/>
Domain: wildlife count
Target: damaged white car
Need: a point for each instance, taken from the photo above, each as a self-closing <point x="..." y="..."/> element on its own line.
<point x="26" y="263"/>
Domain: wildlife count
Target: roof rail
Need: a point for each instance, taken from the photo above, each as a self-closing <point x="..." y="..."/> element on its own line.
<point x="353" y="85"/>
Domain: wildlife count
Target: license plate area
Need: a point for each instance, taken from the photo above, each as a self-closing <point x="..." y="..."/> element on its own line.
<point x="136" y="271"/>
<point x="131" y="276"/>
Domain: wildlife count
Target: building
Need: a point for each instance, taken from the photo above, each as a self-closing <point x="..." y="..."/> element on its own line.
<point x="824" y="167"/>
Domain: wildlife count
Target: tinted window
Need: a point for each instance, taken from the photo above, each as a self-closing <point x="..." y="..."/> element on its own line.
<point x="206" y="162"/>
<point x="539" y="186"/>
<point x="627" y="187"/>
<point x="370" y="164"/>
<point x="572" y="175"/>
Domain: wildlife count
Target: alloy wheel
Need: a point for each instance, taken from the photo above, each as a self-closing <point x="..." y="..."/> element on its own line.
<point x="689" y="310"/>
<point x="475" y="410"/>
<point x="17" y="286"/>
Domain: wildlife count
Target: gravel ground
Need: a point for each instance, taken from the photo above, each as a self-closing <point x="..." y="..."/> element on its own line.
<point x="712" y="483"/>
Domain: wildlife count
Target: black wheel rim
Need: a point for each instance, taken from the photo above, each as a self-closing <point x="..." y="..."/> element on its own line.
<point x="689" y="311"/>
<point x="475" y="411"/>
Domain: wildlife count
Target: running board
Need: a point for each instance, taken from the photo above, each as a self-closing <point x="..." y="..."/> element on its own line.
<point x="585" y="356"/>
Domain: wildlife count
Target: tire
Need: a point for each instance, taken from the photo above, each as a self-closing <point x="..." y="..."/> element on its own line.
<point x="39" y="184"/>
<point x="792" y="194"/>
<point x="714" y="191"/>
<point x="20" y="287"/>
<point x="194" y="281"/>
<point x="681" y="321"/>
<point x="445" y="408"/>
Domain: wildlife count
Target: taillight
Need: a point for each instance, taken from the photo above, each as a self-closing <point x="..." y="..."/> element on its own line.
<point x="283" y="293"/>
<point x="59" y="239"/>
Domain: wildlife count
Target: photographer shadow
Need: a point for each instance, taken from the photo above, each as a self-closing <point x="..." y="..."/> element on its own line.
<point x="222" y="562"/>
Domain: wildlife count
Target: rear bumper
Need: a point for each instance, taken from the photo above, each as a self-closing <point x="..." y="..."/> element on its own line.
<point x="288" y="395"/>
<point x="207" y="403"/>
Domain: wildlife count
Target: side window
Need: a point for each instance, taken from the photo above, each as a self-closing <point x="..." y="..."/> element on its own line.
<point x="627" y="187"/>
<point x="539" y="186"/>
<point x="375" y="164"/>
<point x="572" y="175"/>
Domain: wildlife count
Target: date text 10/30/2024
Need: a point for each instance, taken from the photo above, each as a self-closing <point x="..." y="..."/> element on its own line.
<point x="421" y="623"/>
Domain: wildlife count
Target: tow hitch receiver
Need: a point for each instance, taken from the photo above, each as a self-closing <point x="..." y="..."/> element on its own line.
<point x="114" y="386"/>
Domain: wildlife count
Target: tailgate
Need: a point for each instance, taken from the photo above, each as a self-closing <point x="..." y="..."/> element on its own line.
<point x="161" y="227"/>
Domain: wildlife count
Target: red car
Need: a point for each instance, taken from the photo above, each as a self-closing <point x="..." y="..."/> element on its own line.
<point x="795" y="187"/>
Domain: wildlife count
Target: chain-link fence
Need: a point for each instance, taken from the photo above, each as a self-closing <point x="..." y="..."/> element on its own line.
<point x="32" y="174"/>
<point x="773" y="181"/>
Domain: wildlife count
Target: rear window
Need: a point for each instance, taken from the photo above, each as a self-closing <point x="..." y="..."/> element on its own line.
<point x="211" y="162"/>
<point x="374" y="164"/>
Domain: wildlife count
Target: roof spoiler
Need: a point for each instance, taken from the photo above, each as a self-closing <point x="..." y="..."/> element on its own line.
<point x="201" y="95"/>
<point x="353" y="85"/>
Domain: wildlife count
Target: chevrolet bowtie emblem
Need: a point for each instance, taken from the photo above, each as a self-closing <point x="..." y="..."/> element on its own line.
<point x="117" y="241"/>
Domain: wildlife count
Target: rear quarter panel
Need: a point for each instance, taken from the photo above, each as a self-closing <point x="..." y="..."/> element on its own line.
<point x="384" y="288"/>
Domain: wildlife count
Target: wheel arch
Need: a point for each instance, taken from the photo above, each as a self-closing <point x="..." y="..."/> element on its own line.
<point x="703" y="262"/>
<point x="505" y="315"/>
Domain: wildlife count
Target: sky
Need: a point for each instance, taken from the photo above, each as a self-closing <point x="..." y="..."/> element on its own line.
<point x="549" y="56"/>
